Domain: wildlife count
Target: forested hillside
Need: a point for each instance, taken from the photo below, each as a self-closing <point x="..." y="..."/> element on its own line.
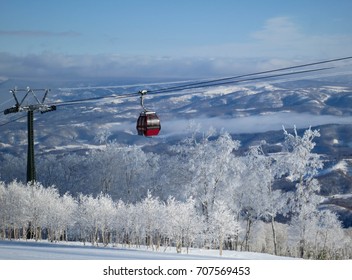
<point x="200" y="192"/>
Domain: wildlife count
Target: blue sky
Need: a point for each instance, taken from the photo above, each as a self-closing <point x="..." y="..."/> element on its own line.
<point x="167" y="39"/>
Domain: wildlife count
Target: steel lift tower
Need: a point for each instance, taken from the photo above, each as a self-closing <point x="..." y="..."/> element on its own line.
<point x="23" y="106"/>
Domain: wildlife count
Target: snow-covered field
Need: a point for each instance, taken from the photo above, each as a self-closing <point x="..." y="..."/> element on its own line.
<point x="31" y="250"/>
<point x="43" y="260"/>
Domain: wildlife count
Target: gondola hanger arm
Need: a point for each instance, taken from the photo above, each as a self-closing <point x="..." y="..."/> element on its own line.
<point x="142" y="93"/>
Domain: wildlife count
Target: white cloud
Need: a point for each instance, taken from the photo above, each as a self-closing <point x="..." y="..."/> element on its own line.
<point x="281" y="38"/>
<point x="278" y="30"/>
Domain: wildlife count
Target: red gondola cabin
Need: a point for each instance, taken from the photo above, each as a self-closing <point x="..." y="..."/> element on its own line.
<point x="148" y="124"/>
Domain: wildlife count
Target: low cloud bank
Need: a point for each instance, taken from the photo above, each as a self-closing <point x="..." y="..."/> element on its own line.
<point x="254" y="124"/>
<point x="77" y="67"/>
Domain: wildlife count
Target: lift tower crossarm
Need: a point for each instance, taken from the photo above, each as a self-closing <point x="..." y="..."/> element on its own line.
<point x="38" y="107"/>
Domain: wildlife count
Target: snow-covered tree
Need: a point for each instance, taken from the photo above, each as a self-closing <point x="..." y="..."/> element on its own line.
<point x="14" y="212"/>
<point x="330" y="239"/>
<point x="208" y="166"/>
<point x="59" y="215"/>
<point x="123" y="223"/>
<point x="308" y="222"/>
<point x="174" y="175"/>
<point x="12" y="168"/>
<point x="3" y="194"/>
<point x="89" y="218"/>
<point x="257" y="197"/>
<point x="52" y="171"/>
<point x="39" y="200"/>
<point x="182" y="224"/>
<point x="69" y="207"/>
<point x="81" y="227"/>
<point x="53" y="214"/>
<point x="123" y="172"/>
<point x="135" y="173"/>
<point x="222" y="224"/>
<point x="135" y="226"/>
<point x="75" y="177"/>
<point x="106" y="215"/>
<point x="153" y="212"/>
<point x="102" y="136"/>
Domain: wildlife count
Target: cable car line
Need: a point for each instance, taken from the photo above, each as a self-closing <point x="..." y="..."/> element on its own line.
<point x="243" y="80"/>
<point x="173" y="89"/>
<point x="217" y="82"/>
<point x="202" y="84"/>
<point x="247" y="75"/>
<point x="189" y="84"/>
<point x="77" y="101"/>
<point x="267" y="71"/>
<point x="14" y="120"/>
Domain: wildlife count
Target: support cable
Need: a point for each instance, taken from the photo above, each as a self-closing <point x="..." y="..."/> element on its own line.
<point x="186" y="87"/>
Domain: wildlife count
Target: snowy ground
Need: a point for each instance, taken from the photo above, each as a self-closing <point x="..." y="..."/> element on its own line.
<point x="23" y="260"/>
<point x="29" y="250"/>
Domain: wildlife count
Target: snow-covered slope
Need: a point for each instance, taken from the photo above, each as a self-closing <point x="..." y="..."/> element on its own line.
<point x="31" y="250"/>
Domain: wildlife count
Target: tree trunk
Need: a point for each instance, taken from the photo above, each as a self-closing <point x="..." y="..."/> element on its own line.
<point x="301" y="248"/>
<point x="17" y="233"/>
<point x="3" y="232"/>
<point x="179" y="246"/>
<point x="221" y="240"/>
<point x="274" y="234"/>
<point x="205" y="211"/>
<point x="158" y="241"/>
<point x="248" y="231"/>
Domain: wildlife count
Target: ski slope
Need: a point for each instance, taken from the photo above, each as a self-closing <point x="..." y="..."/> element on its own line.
<point x="30" y="250"/>
<point x="43" y="260"/>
